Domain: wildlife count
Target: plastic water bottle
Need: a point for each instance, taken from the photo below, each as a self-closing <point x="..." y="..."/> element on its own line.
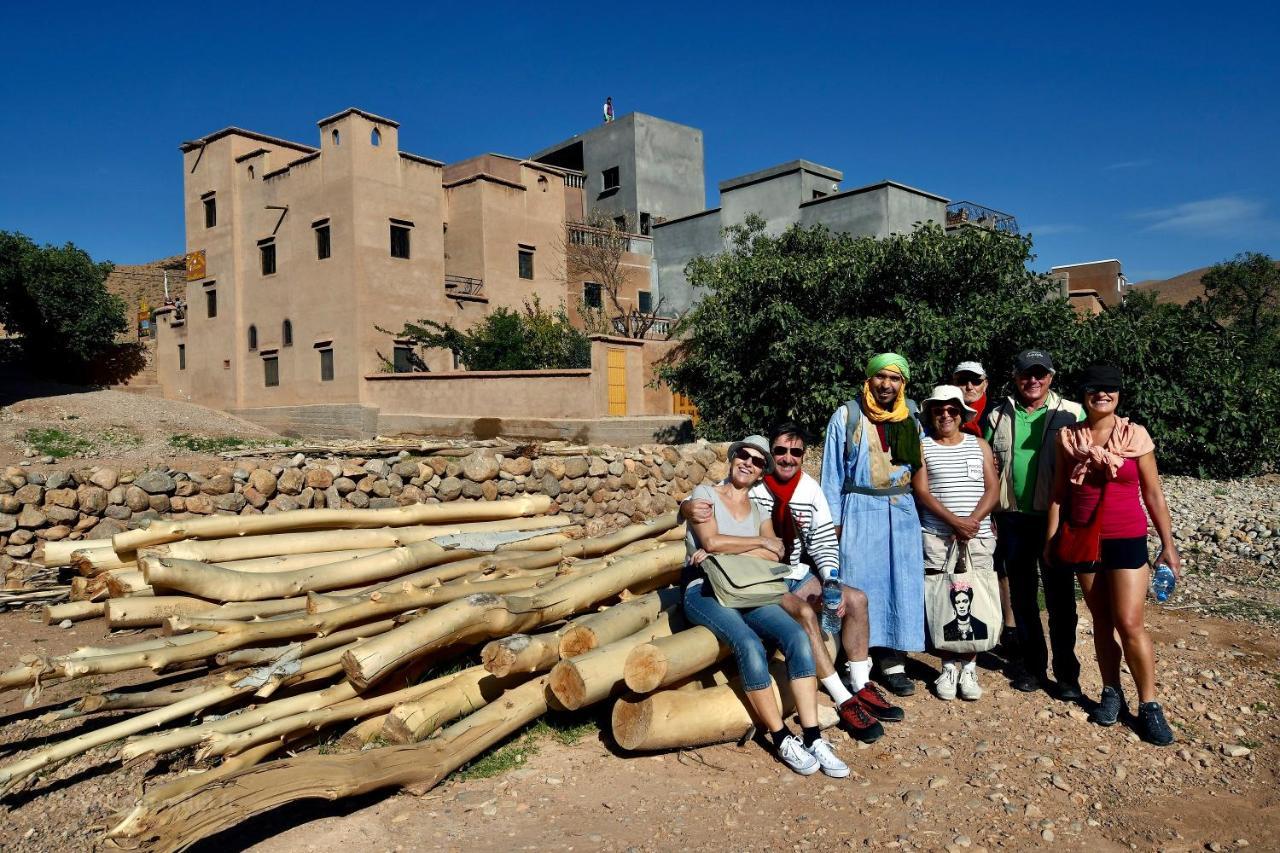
<point x="831" y="597"/>
<point x="1162" y="582"/>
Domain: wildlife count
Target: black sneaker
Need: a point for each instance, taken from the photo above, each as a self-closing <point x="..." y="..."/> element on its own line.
<point x="1069" y="691"/>
<point x="1110" y="705"/>
<point x="1025" y="682"/>
<point x="1152" y="726"/>
<point x="897" y="683"/>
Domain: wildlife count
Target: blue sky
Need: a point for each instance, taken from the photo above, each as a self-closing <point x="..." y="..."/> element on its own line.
<point x="1143" y="132"/>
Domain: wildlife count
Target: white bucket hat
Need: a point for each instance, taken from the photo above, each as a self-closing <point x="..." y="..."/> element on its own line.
<point x="949" y="394"/>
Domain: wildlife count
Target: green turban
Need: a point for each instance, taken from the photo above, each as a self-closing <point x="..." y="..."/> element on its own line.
<point x="888" y="359"/>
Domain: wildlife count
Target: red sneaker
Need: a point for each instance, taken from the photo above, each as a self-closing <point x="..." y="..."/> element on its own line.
<point x="860" y="723"/>
<point x="877" y="705"/>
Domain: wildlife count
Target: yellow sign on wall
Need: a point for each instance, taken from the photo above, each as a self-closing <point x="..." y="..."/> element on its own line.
<point x="195" y="265"/>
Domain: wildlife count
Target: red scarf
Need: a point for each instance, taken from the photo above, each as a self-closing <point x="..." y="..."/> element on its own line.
<point x="783" y="524"/>
<point x="979" y="405"/>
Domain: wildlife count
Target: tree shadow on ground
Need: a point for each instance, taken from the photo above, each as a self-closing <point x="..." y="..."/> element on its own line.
<point x="261" y="827"/>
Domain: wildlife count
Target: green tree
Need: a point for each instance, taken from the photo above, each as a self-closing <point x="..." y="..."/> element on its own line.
<point x="532" y="339"/>
<point x="1245" y="293"/>
<point x="789" y="321"/>
<point x="55" y="299"/>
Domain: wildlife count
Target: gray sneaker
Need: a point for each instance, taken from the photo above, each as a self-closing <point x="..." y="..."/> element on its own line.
<point x="828" y="760"/>
<point x="968" y="687"/>
<point x="1109" y="707"/>
<point x="793" y="754"/>
<point x="945" y="686"/>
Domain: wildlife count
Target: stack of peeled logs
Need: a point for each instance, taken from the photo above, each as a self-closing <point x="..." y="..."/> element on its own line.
<point x="282" y="628"/>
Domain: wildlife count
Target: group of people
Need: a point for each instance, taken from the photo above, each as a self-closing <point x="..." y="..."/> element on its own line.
<point x="959" y="508"/>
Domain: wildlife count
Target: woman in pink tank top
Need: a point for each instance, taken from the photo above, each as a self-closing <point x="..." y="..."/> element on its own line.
<point x="1106" y="472"/>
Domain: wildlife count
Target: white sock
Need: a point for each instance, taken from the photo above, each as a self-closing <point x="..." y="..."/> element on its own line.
<point x="859" y="674"/>
<point x="833" y="685"/>
<point x="971" y="667"/>
<point x="949" y="665"/>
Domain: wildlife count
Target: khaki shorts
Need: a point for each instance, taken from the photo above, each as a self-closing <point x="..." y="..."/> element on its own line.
<point x="941" y="550"/>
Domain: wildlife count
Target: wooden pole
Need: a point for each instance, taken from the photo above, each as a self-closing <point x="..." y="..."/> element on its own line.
<point x="616" y="622"/>
<point x="670" y="659"/>
<point x="589" y="678"/>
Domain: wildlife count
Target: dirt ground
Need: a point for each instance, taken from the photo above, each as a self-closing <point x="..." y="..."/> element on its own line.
<point x="1012" y="771"/>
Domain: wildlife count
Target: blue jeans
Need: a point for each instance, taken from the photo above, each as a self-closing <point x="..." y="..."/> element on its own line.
<point x="744" y="631"/>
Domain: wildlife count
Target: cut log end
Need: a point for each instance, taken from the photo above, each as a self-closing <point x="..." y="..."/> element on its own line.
<point x="567" y="685"/>
<point x="645" y="669"/>
<point x="631" y="722"/>
<point x="395" y="729"/>
<point x="577" y="640"/>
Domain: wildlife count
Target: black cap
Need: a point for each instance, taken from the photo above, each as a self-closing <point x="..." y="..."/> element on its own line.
<point x="1028" y="359"/>
<point x="1101" y="377"/>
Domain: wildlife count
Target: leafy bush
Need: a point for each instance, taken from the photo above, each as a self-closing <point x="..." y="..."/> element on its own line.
<point x="532" y="339"/>
<point x="54" y="298"/>
<point x="790" y="321"/>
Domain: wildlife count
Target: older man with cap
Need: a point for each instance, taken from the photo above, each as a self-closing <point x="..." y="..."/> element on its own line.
<point x="1023" y="432"/>
<point x="872" y="449"/>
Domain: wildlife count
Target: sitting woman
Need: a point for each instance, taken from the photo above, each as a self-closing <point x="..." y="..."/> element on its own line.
<point x="956" y="488"/>
<point x="736" y="526"/>
<point x="1106" y="473"/>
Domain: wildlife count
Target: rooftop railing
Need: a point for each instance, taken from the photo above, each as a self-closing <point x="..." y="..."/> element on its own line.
<point x="581" y="234"/>
<point x="969" y="213"/>
<point x="461" y="285"/>
<point x="653" y="327"/>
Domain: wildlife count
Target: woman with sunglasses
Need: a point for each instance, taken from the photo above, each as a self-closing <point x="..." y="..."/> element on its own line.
<point x="1106" y="473"/>
<point x="737" y="526"/>
<point x="956" y="488"/>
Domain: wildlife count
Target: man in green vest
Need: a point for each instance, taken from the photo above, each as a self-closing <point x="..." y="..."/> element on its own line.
<point x="1023" y="432"/>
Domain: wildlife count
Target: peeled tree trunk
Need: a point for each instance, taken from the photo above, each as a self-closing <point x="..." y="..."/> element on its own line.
<point x="147" y="612"/>
<point x="224" y="526"/>
<point x="181" y="821"/>
<point x="521" y="653"/>
<point x="614" y="623"/>
<point x="468" y="691"/>
<point x="59" y="553"/>
<point x="591" y="677"/>
<point x="480" y="616"/>
<point x="319" y="541"/>
<point x="219" y="584"/>
<point x="73" y="610"/>
<point x="667" y="660"/>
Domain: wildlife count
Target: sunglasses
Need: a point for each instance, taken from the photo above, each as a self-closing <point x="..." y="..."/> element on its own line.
<point x="747" y="456"/>
<point x="1038" y="373"/>
<point x="969" y="379"/>
<point x="795" y="452"/>
<point x="953" y="411"/>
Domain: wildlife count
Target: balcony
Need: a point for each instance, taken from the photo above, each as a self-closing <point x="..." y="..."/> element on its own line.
<point x="581" y="234"/>
<point x="575" y="180"/>
<point x="464" y="289"/>
<point x="654" y="327"/>
<point x="962" y="213"/>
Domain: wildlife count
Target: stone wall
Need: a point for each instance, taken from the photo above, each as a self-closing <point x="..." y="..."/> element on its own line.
<point x="603" y="490"/>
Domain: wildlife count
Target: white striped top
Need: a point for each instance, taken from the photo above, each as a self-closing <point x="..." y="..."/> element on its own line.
<point x="955" y="479"/>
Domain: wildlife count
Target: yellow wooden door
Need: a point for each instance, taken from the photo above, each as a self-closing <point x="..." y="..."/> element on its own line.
<point x="617" y="382"/>
<point x="682" y="405"/>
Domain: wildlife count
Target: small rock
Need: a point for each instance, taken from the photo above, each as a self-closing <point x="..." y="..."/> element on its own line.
<point x="65" y="623"/>
<point x="1235" y="750"/>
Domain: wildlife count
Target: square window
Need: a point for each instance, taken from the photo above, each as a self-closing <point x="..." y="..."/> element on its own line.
<point x="267" y="254"/>
<point x="526" y="263"/>
<point x="210" y="211"/>
<point x="610" y="178"/>
<point x="271" y="370"/>
<point x="620" y="223"/>
<point x="182" y="356"/>
<point x="211" y="303"/>
<point x="322" y="239"/>
<point x="402" y="359"/>
<point x="591" y="295"/>
<point x="646" y="224"/>
<point x="644" y="301"/>
<point x="326" y="365"/>
<point x="400" y="238"/>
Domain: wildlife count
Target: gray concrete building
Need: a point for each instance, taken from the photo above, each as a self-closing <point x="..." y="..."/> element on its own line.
<point x="795" y="192"/>
<point x="640" y="167"/>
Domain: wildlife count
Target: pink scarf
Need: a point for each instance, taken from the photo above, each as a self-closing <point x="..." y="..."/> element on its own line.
<point x="1128" y="441"/>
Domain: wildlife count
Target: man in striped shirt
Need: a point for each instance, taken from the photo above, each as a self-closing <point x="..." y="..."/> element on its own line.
<point x="802" y="519"/>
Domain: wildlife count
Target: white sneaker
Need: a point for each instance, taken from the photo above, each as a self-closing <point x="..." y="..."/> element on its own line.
<point x="945" y="686"/>
<point x="794" y="755"/>
<point x="828" y="760"/>
<point x="969" y="689"/>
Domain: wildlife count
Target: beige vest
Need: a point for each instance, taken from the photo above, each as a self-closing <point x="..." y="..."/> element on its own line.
<point x="1061" y="413"/>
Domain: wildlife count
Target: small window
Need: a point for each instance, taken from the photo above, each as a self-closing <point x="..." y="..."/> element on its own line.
<point x="210" y="303"/>
<point x="286" y="333"/>
<point x="326" y="365"/>
<point x="182" y="356"/>
<point x="400" y="238"/>
<point x="403" y="361"/>
<point x="542" y="182"/>
<point x="591" y="295"/>
<point x="267" y="254"/>
<point x="620" y="223"/>
<point x="457" y="360"/>
<point x="644" y="301"/>
<point x="819" y="194"/>
<point x="210" y="211"/>
<point x="375" y="139"/>
<point x="253" y="338"/>
<point x="610" y="179"/>
<point x="526" y="262"/>
<point x="251" y="173"/>
<point x="322" y="239"/>
<point x="270" y="369"/>
<point x="646" y="224"/>
<point x="337" y="137"/>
